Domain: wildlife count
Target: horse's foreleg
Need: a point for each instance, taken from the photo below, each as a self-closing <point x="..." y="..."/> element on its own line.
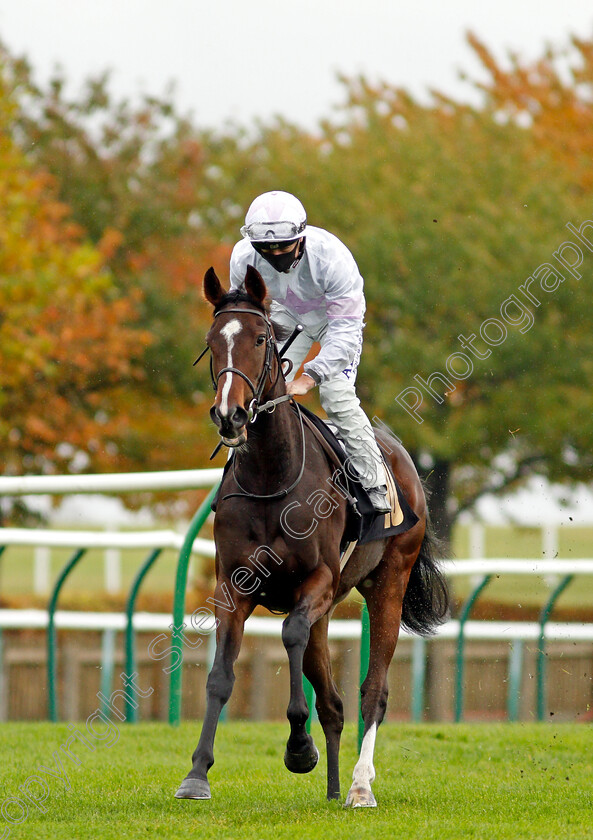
<point x="229" y="635"/>
<point x="313" y="600"/>
<point x="317" y="668"/>
<point x="383" y="592"/>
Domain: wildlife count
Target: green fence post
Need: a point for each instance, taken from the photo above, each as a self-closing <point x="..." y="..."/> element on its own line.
<point x="365" y="651"/>
<point x="52" y="670"/>
<point x="515" y="673"/>
<point x="107" y="664"/>
<point x="2" y="547"/>
<point x="465" y="612"/>
<point x="310" y="698"/>
<point x="131" y="711"/>
<point x="418" y="678"/>
<point x="179" y="605"/>
<point x="541" y="652"/>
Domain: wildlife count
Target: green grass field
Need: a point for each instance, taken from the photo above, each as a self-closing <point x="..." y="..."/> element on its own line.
<point x="17" y="570"/>
<point x="434" y="782"/>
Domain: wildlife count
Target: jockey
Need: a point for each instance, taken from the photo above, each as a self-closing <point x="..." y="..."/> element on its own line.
<point x="313" y="280"/>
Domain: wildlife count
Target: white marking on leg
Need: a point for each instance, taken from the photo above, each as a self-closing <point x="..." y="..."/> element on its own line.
<point x="364" y="772"/>
<point x="229" y="331"/>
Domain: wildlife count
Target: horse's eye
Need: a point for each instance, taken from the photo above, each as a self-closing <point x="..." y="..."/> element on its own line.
<point x="260" y="340"/>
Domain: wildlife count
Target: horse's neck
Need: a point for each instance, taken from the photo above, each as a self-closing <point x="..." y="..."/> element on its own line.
<point x="274" y="447"/>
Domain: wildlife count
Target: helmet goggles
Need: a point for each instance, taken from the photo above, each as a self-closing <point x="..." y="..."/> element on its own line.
<point x="277" y="234"/>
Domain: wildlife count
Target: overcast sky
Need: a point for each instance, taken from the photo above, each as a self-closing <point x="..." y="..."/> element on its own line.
<point x="242" y="59"/>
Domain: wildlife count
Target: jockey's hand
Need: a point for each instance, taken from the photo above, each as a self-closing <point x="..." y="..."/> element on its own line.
<point x="301" y="385"/>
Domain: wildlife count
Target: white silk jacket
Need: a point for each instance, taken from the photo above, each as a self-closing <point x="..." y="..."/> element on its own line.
<point x="324" y="293"/>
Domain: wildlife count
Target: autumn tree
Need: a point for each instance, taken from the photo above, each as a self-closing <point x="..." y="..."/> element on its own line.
<point x="450" y="210"/>
<point x="551" y="97"/>
<point x="68" y="340"/>
<point x="457" y="216"/>
<point x="132" y="174"/>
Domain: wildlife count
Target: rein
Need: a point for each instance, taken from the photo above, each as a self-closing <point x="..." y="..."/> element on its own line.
<point x="280" y="494"/>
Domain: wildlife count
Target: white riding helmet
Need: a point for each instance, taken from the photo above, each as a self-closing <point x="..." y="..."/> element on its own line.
<point x="275" y="217"/>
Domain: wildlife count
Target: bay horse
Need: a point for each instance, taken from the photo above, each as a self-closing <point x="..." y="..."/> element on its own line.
<point x="278" y="527"/>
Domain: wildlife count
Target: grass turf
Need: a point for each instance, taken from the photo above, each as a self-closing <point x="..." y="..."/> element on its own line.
<point x="434" y="782"/>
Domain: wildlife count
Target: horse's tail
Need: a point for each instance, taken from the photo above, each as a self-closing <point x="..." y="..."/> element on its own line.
<point x="426" y="602"/>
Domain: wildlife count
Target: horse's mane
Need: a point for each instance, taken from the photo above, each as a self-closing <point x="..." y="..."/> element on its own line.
<point x="239" y="296"/>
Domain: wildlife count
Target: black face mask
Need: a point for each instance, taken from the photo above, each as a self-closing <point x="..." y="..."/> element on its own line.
<point x="284" y="262"/>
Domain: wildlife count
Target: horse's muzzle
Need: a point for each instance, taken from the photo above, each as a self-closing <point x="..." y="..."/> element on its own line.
<point x="231" y="426"/>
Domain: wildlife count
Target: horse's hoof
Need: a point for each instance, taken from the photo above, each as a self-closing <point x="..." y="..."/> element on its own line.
<point x="193" y="789"/>
<point x="301" y="762"/>
<point x="360" y="797"/>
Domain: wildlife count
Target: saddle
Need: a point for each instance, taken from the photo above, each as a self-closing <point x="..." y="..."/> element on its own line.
<point x="364" y="524"/>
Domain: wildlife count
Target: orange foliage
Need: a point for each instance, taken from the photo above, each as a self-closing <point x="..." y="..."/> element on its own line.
<point x="66" y="337"/>
<point x="556" y="105"/>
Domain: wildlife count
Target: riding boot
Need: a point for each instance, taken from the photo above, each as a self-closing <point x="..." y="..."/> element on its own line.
<point x="379" y="500"/>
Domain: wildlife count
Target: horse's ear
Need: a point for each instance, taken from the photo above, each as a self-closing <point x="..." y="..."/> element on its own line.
<point x="254" y="284"/>
<point x="213" y="291"/>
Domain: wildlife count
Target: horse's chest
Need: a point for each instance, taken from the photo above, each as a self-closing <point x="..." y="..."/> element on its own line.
<point x="271" y="560"/>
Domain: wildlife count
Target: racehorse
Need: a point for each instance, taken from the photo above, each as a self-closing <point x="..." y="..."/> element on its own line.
<point x="278" y="527"/>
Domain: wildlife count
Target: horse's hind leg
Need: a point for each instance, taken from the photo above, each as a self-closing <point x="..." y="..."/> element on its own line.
<point x="330" y="710"/>
<point x="229" y="635"/>
<point x="383" y="591"/>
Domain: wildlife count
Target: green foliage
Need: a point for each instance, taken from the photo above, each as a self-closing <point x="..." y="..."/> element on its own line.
<point x="127" y="179"/>
<point x="449" y="210"/>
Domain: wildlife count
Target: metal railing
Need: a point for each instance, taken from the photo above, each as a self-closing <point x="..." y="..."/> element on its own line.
<point x="83" y="540"/>
<point x="516" y="633"/>
<point x="460" y="629"/>
<point x="482" y="572"/>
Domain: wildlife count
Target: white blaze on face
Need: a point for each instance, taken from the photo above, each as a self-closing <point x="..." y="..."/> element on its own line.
<point x="229" y="331"/>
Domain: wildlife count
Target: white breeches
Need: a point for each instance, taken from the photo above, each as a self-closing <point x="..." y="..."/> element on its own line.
<point x="342" y="406"/>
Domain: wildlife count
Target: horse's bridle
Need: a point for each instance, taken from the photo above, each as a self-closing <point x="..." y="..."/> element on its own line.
<point x="255" y="407"/>
<point x="258" y="388"/>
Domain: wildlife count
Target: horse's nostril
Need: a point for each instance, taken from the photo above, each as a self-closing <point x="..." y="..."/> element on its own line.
<point x="215" y="415"/>
<point x="239" y="417"/>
